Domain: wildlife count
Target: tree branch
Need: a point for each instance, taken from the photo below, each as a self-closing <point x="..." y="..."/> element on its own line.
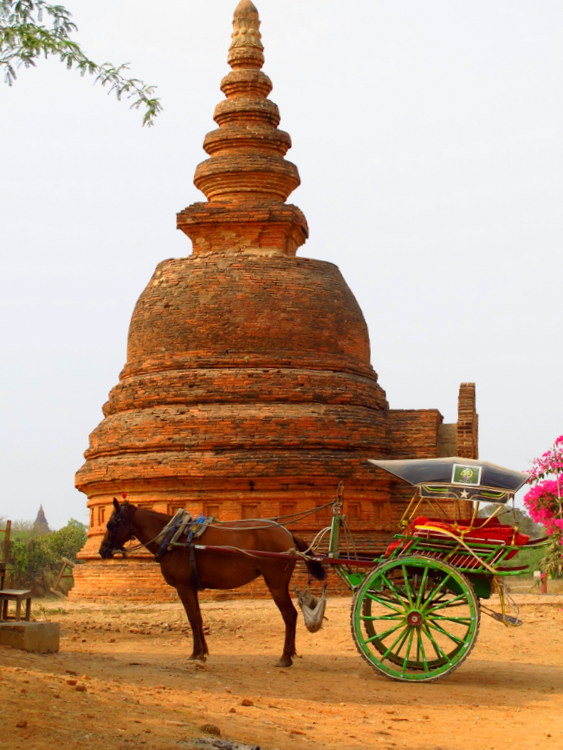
<point x="23" y="39"/>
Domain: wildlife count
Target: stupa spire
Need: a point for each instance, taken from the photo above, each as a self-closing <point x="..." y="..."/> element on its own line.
<point x="246" y="178"/>
<point x="40" y="525"/>
<point x="246" y="49"/>
<point x="248" y="390"/>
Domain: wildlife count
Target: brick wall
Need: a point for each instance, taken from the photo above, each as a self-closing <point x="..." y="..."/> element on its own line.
<point x="248" y="388"/>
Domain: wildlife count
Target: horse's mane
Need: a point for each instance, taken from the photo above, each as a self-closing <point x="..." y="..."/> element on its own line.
<point x="165" y="517"/>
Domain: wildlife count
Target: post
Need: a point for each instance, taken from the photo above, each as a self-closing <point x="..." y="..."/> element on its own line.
<point x="336" y="523"/>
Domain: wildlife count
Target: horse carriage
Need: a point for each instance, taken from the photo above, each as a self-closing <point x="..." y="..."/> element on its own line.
<point x="416" y="606"/>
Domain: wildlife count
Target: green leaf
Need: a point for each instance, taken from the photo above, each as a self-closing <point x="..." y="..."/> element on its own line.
<point x="23" y="38"/>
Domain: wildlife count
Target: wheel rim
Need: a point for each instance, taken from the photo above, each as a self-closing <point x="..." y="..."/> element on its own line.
<point x="415" y="618"/>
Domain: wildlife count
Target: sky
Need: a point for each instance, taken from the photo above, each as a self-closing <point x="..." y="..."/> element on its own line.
<point x="428" y="137"/>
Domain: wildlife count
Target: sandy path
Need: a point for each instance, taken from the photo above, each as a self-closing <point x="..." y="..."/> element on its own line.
<point x="122" y="680"/>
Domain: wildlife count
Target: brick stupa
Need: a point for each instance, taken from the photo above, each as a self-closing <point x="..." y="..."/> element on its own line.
<point x="248" y="389"/>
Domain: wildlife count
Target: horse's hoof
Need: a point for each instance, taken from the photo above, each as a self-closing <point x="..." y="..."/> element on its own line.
<point x="197" y="657"/>
<point x="284" y="662"/>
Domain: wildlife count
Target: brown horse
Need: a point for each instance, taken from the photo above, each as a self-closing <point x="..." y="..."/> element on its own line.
<point x="246" y="545"/>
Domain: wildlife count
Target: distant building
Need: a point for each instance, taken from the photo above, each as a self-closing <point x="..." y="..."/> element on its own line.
<point x="40" y="525"/>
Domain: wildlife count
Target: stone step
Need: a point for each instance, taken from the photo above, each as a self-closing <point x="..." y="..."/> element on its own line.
<point x="42" y="637"/>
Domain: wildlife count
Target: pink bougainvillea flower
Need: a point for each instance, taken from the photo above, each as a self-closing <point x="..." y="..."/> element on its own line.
<point x="544" y="499"/>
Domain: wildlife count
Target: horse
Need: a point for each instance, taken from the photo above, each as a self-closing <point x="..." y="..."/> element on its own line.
<point x="251" y="548"/>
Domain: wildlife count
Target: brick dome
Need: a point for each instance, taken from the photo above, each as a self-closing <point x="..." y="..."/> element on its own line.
<point x="248" y="388"/>
<point x="220" y="360"/>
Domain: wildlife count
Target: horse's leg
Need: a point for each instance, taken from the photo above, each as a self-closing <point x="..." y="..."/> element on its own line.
<point x="280" y="594"/>
<point x="190" y="600"/>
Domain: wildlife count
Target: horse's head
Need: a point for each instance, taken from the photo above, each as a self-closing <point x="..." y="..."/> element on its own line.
<point x="119" y="530"/>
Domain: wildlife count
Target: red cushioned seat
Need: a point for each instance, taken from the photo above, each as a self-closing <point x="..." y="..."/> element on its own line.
<point x="490" y="533"/>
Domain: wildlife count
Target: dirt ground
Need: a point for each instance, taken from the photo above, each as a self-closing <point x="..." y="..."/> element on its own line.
<point x="122" y="680"/>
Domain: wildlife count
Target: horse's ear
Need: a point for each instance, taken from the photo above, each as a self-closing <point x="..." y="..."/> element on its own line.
<point x="116" y="505"/>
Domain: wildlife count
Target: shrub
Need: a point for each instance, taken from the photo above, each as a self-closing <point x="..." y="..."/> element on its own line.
<point x="35" y="559"/>
<point x="544" y="501"/>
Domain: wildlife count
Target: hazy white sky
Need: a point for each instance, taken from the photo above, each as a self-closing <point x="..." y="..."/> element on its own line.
<point x="428" y="136"/>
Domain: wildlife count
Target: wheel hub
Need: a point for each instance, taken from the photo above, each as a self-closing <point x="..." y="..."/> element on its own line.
<point x="414" y="619"/>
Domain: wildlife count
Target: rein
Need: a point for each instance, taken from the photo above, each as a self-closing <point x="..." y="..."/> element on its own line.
<point x="156" y="539"/>
<point x="293" y="517"/>
<point x="168" y="536"/>
<point x="136" y="547"/>
<point x="222" y="548"/>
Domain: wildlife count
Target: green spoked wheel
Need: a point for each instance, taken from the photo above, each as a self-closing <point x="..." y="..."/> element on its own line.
<point x="415" y="618"/>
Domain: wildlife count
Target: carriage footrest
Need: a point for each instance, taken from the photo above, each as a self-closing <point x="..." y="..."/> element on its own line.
<point x="506" y="619"/>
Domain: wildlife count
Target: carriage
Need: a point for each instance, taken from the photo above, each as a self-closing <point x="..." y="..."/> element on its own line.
<point x="416" y="605"/>
<point x="416" y="608"/>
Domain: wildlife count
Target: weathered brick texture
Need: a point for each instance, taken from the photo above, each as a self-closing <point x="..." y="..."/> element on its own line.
<point x="467" y="422"/>
<point x="248" y="389"/>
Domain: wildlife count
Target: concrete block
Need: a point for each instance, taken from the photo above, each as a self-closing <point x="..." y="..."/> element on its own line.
<point x="42" y="637"/>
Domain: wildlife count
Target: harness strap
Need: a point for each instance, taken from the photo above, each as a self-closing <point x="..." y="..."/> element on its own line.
<point x="193" y="566"/>
<point x="182" y="523"/>
<point x="172" y="532"/>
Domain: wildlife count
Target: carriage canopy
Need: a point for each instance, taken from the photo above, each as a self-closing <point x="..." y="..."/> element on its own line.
<point x="458" y="478"/>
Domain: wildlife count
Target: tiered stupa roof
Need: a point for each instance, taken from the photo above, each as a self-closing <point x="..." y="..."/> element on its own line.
<point x="248" y="389"/>
<point x="246" y="180"/>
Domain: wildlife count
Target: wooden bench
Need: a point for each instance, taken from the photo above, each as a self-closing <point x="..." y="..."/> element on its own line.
<point x="18" y="596"/>
<point x="11" y="595"/>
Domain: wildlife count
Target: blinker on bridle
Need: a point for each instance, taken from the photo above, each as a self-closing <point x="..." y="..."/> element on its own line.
<point x="112" y="526"/>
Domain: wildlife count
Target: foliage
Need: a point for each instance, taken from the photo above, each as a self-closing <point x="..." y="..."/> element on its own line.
<point x="68" y="541"/>
<point x="35" y="559"/>
<point x="22" y="528"/>
<point x="544" y="501"/>
<point x="531" y="557"/>
<point x="514" y="517"/>
<point x="552" y="562"/>
<point x="24" y="39"/>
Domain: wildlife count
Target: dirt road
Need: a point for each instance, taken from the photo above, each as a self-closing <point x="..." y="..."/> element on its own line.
<point x="122" y="680"/>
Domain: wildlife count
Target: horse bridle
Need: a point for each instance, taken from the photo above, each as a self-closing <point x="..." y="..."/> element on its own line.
<point x="112" y="526"/>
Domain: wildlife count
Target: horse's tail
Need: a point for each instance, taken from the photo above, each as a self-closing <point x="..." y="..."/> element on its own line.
<point x="314" y="567"/>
